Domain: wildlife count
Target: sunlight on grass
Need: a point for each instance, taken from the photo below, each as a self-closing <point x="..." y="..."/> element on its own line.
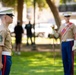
<point x="40" y="71"/>
<point x="59" y="70"/>
<point x="39" y="40"/>
<point x="39" y="60"/>
<point x="38" y="63"/>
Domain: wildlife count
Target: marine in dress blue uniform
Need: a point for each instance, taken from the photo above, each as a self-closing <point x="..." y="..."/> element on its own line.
<point x="67" y="32"/>
<point x="5" y="41"/>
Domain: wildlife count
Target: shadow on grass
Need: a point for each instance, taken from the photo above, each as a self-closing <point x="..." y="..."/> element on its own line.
<point x="36" y="63"/>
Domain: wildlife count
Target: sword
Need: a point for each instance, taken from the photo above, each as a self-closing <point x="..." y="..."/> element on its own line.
<point x="54" y="54"/>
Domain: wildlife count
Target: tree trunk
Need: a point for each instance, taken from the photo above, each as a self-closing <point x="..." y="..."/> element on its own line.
<point x="55" y="12"/>
<point x="20" y="10"/>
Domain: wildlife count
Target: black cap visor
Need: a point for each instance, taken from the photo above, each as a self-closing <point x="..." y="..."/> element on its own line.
<point x="67" y="16"/>
<point x="11" y="15"/>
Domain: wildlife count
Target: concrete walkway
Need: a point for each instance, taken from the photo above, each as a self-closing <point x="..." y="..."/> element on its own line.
<point x="40" y="48"/>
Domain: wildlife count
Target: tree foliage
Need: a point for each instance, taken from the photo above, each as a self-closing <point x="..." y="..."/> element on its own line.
<point x="28" y="3"/>
<point x="9" y="3"/>
<point x="64" y="1"/>
<point x="13" y="3"/>
<point x="41" y="3"/>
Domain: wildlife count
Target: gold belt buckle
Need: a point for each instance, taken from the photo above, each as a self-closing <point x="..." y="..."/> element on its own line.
<point x="64" y="40"/>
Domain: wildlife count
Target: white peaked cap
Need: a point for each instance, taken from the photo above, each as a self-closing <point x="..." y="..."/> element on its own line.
<point x="67" y="14"/>
<point x="6" y="11"/>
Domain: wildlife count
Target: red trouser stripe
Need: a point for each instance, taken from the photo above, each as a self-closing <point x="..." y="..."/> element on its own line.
<point x="4" y="65"/>
<point x="72" y="71"/>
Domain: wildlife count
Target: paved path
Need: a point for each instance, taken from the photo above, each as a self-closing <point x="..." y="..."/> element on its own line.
<point x="40" y="47"/>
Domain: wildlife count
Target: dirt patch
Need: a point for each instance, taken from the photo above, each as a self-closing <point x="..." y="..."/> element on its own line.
<point x="41" y="47"/>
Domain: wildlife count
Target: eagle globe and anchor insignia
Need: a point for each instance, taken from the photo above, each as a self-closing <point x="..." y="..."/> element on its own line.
<point x="1" y="38"/>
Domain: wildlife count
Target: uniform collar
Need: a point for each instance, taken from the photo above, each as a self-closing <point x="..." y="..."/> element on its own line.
<point x="66" y="23"/>
<point x="5" y="26"/>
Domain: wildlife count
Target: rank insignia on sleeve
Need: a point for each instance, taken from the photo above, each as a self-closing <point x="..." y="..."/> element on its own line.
<point x="1" y="38"/>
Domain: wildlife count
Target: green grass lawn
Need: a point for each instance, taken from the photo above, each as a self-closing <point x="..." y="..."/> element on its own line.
<point x="37" y="63"/>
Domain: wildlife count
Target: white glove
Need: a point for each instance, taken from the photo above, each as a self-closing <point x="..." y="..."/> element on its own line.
<point x="74" y="46"/>
<point x="55" y="34"/>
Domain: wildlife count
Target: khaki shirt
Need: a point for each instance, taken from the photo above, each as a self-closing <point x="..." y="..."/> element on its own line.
<point x="69" y="33"/>
<point x="5" y="38"/>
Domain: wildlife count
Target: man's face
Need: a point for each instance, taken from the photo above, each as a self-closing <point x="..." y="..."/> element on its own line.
<point x="67" y="19"/>
<point x="9" y="19"/>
